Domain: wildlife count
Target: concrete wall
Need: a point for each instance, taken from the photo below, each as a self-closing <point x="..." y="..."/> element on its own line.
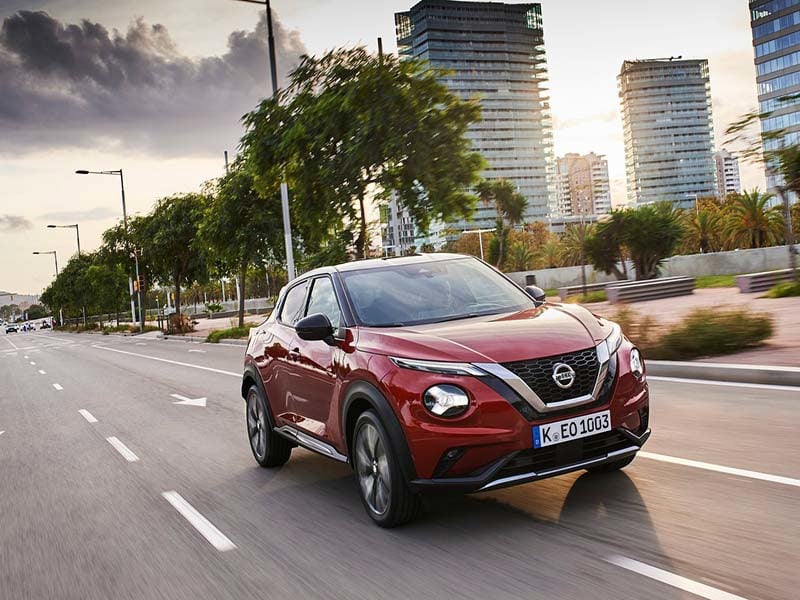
<point x="694" y="265"/>
<point x="735" y="262"/>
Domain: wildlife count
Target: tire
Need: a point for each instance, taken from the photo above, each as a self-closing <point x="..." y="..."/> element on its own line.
<point x="382" y="487"/>
<point x="612" y="466"/>
<point x="269" y="448"/>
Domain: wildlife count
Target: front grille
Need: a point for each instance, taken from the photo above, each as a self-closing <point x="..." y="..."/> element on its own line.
<point x="560" y="455"/>
<point x="538" y="374"/>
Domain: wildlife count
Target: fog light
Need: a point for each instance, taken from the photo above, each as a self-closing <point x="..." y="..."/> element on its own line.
<point x="446" y="400"/>
<point x="636" y="364"/>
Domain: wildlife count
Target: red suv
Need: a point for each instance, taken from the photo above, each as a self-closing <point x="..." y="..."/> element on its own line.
<point x="435" y="372"/>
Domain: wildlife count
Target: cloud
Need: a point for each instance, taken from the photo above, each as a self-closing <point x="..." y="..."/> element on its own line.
<point x="609" y="116"/>
<point x="98" y="213"/>
<point x="81" y="85"/>
<point x="14" y="223"/>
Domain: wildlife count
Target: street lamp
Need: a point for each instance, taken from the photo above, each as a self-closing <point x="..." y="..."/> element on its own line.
<point x="135" y="254"/>
<point x="480" y="233"/>
<point x="55" y="256"/>
<point x="77" y="233"/>
<point x="287" y="224"/>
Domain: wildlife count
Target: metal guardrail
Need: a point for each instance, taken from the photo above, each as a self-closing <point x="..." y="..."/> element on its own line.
<point x="761" y="282"/>
<point x="651" y="289"/>
<point x="570" y="290"/>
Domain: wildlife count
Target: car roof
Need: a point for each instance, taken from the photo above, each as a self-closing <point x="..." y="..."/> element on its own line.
<point x="377" y="263"/>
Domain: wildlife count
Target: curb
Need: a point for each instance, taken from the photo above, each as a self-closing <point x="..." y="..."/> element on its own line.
<point x="199" y="340"/>
<point x="759" y="374"/>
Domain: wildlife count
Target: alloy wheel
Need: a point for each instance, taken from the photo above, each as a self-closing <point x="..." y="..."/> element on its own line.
<point x="256" y="425"/>
<point x="372" y="468"/>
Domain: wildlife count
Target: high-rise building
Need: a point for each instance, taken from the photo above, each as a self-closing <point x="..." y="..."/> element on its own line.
<point x="669" y="134"/>
<point x="776" y="45"/>
<point x="728" y="180"/>
<point x="495" y="52"/>
<point x="582" y="184"/>
<point x="397" y="228"/>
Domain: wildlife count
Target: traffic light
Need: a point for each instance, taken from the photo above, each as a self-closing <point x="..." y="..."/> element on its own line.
<point x="138" y="283"/>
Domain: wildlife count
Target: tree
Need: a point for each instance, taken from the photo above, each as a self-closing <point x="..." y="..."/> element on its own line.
<point x="509" y="204"/>
<point x="550" y="253"/>
<point x="173" y="248"/>
<point x="573" y="243"/>
<point x="752" y="223"/>
<point x="351" y="127"/>
<point x="649" y="234"/>
<point x="240" y="227"/>
<point x="703" y="230"/>
<point x="520" y="257"/>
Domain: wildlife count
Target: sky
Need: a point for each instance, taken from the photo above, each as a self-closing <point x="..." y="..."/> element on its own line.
<point x="158" y="89"/>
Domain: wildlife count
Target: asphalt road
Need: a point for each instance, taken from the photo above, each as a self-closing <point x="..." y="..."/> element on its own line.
<point x="139" y="497"/>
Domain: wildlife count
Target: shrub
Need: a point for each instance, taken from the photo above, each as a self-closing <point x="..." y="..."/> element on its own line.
<point x="232" y="333"/>
<point x="214" y="307"/>
<point x="712" y="332"/>
<point x="641" y="330"/>
<point x="590" y="297"/>
<point x="787" y="289"/>
<point x="179" y="324"/>
<point x="715" y="281"/>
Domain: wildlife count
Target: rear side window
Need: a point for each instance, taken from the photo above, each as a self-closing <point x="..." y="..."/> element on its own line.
<point x="323" y="300"/>
<point x="292" y="309"/>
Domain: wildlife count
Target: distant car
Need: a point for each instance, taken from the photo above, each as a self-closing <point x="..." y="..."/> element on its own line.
<point x="12" y="328"/>
<point x="45" y="325"/>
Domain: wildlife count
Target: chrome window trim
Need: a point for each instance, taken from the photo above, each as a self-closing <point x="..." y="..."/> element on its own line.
<point x="531" y="397"/>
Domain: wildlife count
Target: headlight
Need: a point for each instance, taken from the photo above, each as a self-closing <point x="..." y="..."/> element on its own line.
<point x="614" y="339"/>
<point x="637" y="368"/>
<point x="440" y="367"/>
<point x="446" y="400"/>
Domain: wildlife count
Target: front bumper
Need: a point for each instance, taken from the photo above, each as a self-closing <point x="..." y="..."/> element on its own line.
<point x="524" y="466"/>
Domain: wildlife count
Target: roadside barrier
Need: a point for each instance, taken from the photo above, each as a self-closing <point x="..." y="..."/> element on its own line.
<point x="651" y="289"/>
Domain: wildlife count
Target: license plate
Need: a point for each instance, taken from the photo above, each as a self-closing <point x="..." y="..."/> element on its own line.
<point x="571" y="429"/>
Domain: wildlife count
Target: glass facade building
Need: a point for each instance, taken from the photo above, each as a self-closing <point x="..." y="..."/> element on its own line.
<point x="493" y="52"/>
<point x="669" y="132"/>
<point x="776" y="48"/>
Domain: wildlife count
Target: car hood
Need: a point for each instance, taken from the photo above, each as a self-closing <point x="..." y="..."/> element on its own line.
<point x="534" y="333"/>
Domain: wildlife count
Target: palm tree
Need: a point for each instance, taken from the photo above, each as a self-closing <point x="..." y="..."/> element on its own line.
<point x="574" y="243"/>
<point x="752" y="223"/>
<point x="509" y="204"/>
<point x="520" y="257"/>
<point x="703" y="230"/>
<point x="550" y="253"/>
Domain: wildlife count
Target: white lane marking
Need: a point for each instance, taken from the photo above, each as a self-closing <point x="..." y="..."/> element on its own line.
<point x="87" y="415"/>
<point x="172" y="362"/>
<point x="676" y="581"/>
<point x="42" y="372"/>
<point x="33" y="363"/>
<point x="2" y="432"/>
<point x="25" y="357"/>
<point x="214" y="536"/>
<point x="5" y="337"/>
<point x="141" y="344"/>
<point x="189" y="401"/>
<point x="727" y="366"/>
<point x="721" y="469"/>
<point x="757" y="386"/>
<point x="58" y="387"/>
<point x="194" y="350"/>
<point x="122" y="449"/>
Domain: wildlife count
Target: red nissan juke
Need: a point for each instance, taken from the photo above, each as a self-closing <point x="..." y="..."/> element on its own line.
<point x="435" y="372"/>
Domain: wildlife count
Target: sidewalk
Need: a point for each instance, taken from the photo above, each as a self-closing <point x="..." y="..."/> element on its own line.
<point x="783" y="349"/>
<point x="205" y="326"/>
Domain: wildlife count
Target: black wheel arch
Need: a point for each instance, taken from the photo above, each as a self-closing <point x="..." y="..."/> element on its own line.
<point x="361" y="396"/>
<point x="250" y="378"/>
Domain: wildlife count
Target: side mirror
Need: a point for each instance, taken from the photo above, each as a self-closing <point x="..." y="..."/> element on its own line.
<point x="537" y="294"/>
<point x="314" y="328"/>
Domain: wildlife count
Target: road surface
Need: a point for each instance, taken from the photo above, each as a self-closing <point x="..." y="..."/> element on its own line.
<point x="125" y="473"/>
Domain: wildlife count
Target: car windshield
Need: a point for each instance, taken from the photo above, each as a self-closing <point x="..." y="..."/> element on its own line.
<point x="430" y="292"/>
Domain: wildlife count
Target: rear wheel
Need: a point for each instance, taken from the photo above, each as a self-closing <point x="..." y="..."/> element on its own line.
<point x="269" y="448"/>
<point x="613" y="466"/>
<point x="384" y="492"/>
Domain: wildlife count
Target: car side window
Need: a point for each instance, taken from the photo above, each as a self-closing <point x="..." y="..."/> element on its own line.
<point x="292" y="309"/>
<point x="323" y="300"/>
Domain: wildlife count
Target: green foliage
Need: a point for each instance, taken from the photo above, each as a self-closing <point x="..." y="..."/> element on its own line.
<point x="752" y="223"/>
<point x="35" y="311"/>
<point x="171" y="243"/>
<point x="703" y="332"/>
<point x="350" y="124"/>
<point x="787" y="289"/>
<point x="213" y="307"/>
<point x="715" y="281"/>
<point x="510" y="206"/>
<point x="232" y="333"/>
<point x="589" y="298"/>
<point x="648" y="234"/>
<point x="573" y="243"/>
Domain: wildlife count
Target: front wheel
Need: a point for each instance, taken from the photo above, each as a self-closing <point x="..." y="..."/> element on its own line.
<point x="269" y="448"/>
<point x="384" y="492"/>
<point x="613" y="466"/>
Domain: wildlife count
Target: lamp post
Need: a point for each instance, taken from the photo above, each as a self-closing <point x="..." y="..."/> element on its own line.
<point x="287" y="224"/>
<point x="135" y="253"/>
<point x="78" y="234"/>
<point x="480" y="233"/>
